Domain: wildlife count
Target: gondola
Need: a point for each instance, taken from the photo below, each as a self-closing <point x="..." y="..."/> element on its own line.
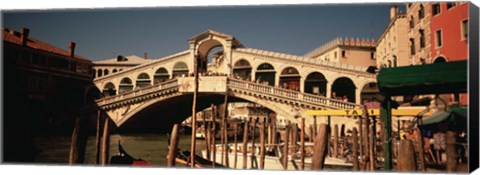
<point x="123" y="158"/>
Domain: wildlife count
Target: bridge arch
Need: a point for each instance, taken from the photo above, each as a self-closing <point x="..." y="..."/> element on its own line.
<point x="179" y="69"/>
<point x="344" y="87"/>
<point x="265" y="72"/>
<point x="368" y="92"/>
<point x="290" y="78"/>
<point x="160" y="75"/>
<point x="143" y="80"/>
<point x="125" y="85"/>
<point x="109" y="89"/>
<point x="316" y="83"/>
<point x="243" y="69"/>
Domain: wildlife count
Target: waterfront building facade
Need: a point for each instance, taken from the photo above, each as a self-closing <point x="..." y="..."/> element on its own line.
<point x="392" y="45"/>
<point x="346" y="51"/>
<point x="419" y="35"/>
<point x="46" y="86"/>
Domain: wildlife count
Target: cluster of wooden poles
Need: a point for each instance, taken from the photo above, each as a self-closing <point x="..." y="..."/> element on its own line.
<point x="79" y="141"/>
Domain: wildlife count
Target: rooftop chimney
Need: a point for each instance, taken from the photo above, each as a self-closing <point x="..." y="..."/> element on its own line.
<point x="71" y="49"/>
<point x="145" y="55"/>
<point x="393" y="11"/>
<point x="24" y="35"/>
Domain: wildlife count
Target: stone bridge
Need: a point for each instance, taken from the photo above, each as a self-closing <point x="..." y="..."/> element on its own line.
<point x="286" y="84"/>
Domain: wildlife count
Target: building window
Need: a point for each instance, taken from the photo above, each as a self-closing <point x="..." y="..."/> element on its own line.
<point x="464" y="29"/>
<point x="389" y="63"/>
<point x="450" y="5"/>
<point x="421" y="12"/>
<point x="372" y="55"/>
<point x="335" y="53"/>
<point x="344" y="55"/>
<point x="394" y="61"/>
<point x="423" y="61"/>
<point x="412" y="46"/>
<point x="422" y="38"/>
<point x="438" y="38"/>
<point x="411" y="22"/>
<point x="435" y="9"/>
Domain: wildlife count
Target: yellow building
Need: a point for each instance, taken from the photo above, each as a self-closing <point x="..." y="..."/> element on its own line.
<point x="392" y="46"/>
<point x="346" y="51"/>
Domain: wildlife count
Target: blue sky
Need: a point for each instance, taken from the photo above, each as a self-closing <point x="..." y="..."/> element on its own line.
<point x="292" y="29"/>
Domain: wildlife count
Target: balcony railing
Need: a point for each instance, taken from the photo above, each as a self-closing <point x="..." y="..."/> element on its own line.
<point x="291" y="94"/>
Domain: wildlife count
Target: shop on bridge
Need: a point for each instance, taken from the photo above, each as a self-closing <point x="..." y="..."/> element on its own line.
<point x="265" y="73"/>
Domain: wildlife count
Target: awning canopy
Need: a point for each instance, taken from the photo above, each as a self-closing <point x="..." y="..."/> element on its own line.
<point x="438" y="78"/>
<point x="456" y="116"/>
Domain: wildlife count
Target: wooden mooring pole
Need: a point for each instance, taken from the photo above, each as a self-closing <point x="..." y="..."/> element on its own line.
<point x="421" y="151"/>
<point x="451" y="151"/>
<point x="172" y="148"/>
<point x="406" y="157"/>
<point x="79" y="142"/>
<point x="98" y="137"/>
<point x="235" y="140"/>
<point x="262" y="144"/>
<point x="214" y="137"/>
<point x="105" y="142"/>
<point x="302" y="144"/>
<point x="285" y="147"/>
<point x="320" y="148"/>
<point x="244" y="145"/>
<point x="335" y="141"/>
<point x="253" y="158"/>
<point x="194" y="115"/>
<point x="355" y="149"/>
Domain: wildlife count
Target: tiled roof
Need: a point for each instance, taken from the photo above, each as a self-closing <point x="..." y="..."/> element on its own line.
<point x="14" y="37"/>
<point x="132" y="59"/>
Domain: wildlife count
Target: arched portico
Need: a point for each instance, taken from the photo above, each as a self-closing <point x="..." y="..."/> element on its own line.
<point x="242" y="69"/>
<point x="344" y="87"/>
<point x="265" y="73"/>
<point x="290" y="79"/>
<point x="316" y="83"/>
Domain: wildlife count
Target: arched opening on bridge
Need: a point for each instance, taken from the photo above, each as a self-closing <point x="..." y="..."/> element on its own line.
<point x="100" y="73"/>
<point x="125" y="85"/>
<point x="344" y="87"/>
<point x="315" y="83"/>
<point x="114" y="71"/>
<point x="109" y="89"/>
<point x="290" y="79"/>
<point x="265" y="73"/>
<point x="143" y="80"/>
<point x="210" y="55"/>
<point x="179" y="69"/>
<point x="161" y="75"/>
<point x="368" y="93"/>
<point x="440" y="60"/>
<point x="105" y="72"/>
<point x="242" y="69"/>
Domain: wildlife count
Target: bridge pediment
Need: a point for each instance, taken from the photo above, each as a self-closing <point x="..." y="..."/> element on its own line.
<point x="211" y="34"/>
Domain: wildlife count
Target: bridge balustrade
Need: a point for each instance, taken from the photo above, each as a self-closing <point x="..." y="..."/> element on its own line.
<point x="295" y="95"/>
<point x="138" y="92"/>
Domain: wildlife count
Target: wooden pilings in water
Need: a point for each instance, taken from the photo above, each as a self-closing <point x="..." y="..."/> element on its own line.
<point x="97" y="138"/>
<point x="335" y="141"/>
<point x="285" y="147"/>
<point x="253" y="158"/>
<point x="244" y="145"/>
<point x="302" y="144"/>
<point x="320" y="148"/>
<point x="451" y="151"/>
<point x="79" y="142"/>
<point x="421" y="151"/>
<point x="213" y="136"/>
<point x="172" y="148"/>
<point x="235" y="129"/>
<point x="355" y="149"/>
<point x="406" y="156"/>
<point x="262" y="145"/>
<point x="105" y="143"/>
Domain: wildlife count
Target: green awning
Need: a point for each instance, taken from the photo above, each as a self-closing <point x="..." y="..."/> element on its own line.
<point x="438" y="78"/>
<point x="456" y="116"/>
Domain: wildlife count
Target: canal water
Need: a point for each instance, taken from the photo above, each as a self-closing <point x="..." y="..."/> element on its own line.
<point x="149" y="147"/>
